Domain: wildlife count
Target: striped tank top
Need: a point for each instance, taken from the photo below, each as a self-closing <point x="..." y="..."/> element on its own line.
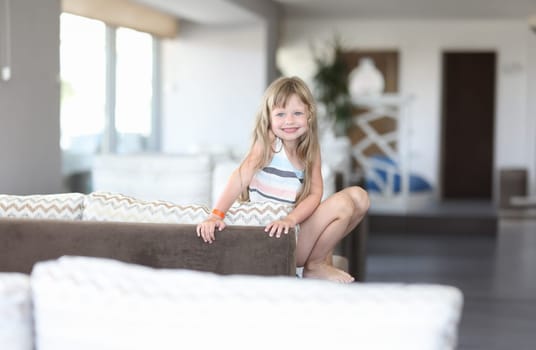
<point x="279" y="181"/>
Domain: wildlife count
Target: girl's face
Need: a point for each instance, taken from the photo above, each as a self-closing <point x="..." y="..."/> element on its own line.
<point x="289" y="123"/>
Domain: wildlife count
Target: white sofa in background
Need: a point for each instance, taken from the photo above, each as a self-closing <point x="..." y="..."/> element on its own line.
<point x="94" y="303"/>
<point x="181" y="179"/>
<point x="196" y="178"/>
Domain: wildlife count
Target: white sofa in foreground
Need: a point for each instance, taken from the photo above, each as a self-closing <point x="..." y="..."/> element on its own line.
<point x="94" y="303"/>
<point x="16" y="329"/>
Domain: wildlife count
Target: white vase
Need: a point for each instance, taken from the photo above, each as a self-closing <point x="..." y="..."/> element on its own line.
<point x="366" y="79"/>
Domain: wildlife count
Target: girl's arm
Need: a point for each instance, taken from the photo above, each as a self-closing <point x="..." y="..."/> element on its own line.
<point x="305" y="208"/>
<point x="239" y="179"/>
<point x="237" y="183"/>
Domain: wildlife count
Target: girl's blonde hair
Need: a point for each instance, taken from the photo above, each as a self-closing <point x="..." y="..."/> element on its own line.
<point x="277" y="95"/>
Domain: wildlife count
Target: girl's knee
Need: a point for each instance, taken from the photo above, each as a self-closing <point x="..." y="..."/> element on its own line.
<point x="359" y="197"/>
<point x="344" y="205"/>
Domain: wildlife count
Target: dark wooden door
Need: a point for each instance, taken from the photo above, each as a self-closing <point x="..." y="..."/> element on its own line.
<point x="468" y="124"/>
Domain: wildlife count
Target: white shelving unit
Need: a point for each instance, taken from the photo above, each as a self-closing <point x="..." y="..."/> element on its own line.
<point x="377" y="107"/>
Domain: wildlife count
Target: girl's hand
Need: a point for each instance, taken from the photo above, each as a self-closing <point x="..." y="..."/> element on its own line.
<point x="280" y="226"/>
<point x="206" y="229"/>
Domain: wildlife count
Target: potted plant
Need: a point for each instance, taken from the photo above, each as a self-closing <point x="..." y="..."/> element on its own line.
<point x="331" y="87"/>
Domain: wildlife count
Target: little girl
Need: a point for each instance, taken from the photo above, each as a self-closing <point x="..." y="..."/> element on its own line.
<point x="283" y="165"/>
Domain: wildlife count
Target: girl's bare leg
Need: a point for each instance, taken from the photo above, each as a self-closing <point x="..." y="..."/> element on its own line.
<point x="319" y="234"/>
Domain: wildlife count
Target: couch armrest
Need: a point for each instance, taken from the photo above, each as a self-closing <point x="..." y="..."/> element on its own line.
<point x="237" y="249"/>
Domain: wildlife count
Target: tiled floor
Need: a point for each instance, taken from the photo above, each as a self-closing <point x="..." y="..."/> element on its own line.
<point x="496" y="273"/>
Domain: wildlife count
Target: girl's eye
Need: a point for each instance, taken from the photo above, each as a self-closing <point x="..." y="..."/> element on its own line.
<point x="298" y="114"/>
<point x="281" y="115"/>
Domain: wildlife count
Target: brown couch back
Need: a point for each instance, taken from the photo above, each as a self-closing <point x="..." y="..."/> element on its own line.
<point x="237" y="249"/>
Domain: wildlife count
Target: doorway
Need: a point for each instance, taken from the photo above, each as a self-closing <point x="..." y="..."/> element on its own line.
<point x="468" y="114"/>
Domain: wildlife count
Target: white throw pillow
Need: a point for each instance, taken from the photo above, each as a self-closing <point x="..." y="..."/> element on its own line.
<point x="65" y="206"/>
<point x="220" y="176"/>
<point x="104" y="206"/>
<point x="16" y="322"/>
<point x="91" y="303"/>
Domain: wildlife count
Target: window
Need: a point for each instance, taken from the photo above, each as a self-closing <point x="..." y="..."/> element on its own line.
<point x="134" y="89"/>
<point x="108" y="89"/>
<point x="83" y="83"/>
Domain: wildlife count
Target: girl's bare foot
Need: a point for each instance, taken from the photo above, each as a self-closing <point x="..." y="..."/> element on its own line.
<point x="326" y="272"/>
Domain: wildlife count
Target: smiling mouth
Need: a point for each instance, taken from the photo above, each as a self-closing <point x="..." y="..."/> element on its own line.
<point x="290" y="130"/>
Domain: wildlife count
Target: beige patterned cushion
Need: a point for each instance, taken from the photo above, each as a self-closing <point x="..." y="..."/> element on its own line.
<point x="256" y="214"/>
<point x="105" y="206"/>
<point x="65" y="206"/>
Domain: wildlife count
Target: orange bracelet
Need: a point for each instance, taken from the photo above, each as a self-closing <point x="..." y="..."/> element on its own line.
<point x="218" y="213"/>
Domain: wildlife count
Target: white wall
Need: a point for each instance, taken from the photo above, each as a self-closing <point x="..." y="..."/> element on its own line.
<point x="213" y="81"/>
<point x="420" y="44"/>
<point x="29" y="103"/>
<point x="269" y="13"/>
<point x="531" y="112"/>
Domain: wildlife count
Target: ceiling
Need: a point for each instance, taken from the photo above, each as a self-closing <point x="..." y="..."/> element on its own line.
<point x="409" y="9"/>
<point x="229" y="11"/>
<point x="204" y="11"/>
